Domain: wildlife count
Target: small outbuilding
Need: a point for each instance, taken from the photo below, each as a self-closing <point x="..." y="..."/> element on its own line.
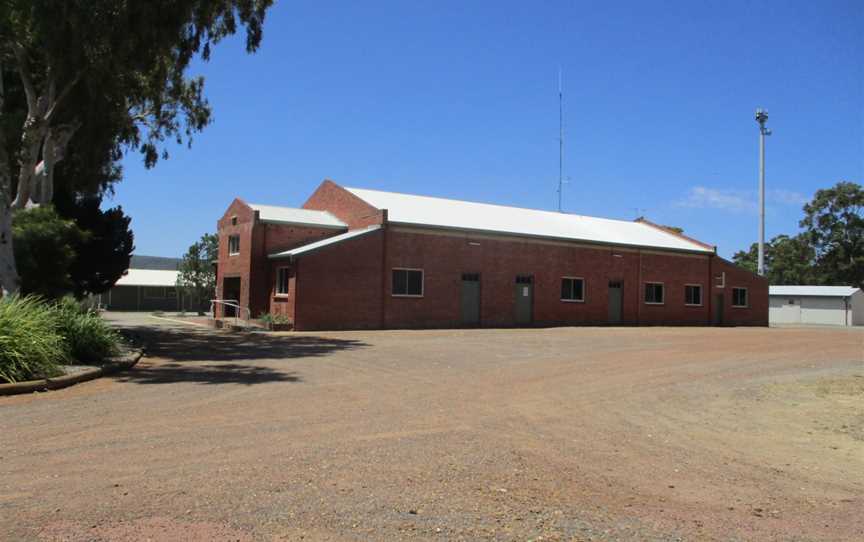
<point x="144" y="290"/>
<point x="819" y="305"/>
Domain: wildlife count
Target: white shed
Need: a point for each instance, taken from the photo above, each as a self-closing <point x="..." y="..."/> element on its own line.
<point x="822" y="305"/>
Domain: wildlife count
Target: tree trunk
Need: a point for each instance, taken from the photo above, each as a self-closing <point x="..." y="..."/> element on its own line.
<point x="9" y="281"/>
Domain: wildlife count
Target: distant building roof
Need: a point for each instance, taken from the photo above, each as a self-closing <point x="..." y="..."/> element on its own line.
<point x="148" y="277"/>
<point x="484" y="217"/>
<point x="324" y="242"/>
<point x="818" y="291"/>
<point x="301" y="217"/>
<point x="153" y="262"/>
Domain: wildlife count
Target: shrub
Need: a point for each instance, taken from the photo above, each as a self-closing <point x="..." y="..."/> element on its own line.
<point x="31" y="345"/>
<point x="89" y="339"/>
<point x="278" y="319"/>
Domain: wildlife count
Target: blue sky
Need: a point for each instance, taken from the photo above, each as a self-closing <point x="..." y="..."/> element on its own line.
<point x="459" y="99"/>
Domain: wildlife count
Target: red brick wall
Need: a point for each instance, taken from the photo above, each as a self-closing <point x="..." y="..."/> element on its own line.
<point x="240" y="264"/>
<point x="756" y="313"/>
<point x="445" y="258"/>
<point x="345" y="206"/>
<point x="257" y="240"/>
<point x="339" y="287"/>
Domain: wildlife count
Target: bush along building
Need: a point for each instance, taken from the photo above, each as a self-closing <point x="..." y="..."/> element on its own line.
<point x="355" y="258"/>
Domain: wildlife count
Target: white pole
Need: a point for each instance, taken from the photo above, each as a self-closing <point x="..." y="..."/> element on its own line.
<point x="762" y="118"/>
<point x="761" y="266"/>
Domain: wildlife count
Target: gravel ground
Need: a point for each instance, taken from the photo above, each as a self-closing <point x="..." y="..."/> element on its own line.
<point x="556" y="434"/>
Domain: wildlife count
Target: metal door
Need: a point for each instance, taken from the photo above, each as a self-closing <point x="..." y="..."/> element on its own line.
<point x="524" y="299"/>
<point x="470" y="299"/>
<point x="718" y="309"/>
<point x="616" y="301"/>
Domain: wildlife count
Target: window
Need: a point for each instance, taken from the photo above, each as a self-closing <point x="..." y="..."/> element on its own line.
<point x="471" y="277"/>
<point x="234" y="220"/>
<point x="408" y="282"/>
<point x="693" y="295"/>
<point x="790" y="302"/>
<point x="572" y="289"/>
<point x="524" y="279"/>
<point x="739" y="297"/>
<point x="171" y="293"/>
<point x="233" y="245"/>
<point x="282" y="276"/>
<point x="654" y="293"/>
<point x="721" y="280"/>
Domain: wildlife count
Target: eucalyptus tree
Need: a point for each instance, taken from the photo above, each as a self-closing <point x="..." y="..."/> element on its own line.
<point x="78" y="68"/>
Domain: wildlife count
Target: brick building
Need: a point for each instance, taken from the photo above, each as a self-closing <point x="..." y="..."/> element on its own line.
<point x="354" y="258"/>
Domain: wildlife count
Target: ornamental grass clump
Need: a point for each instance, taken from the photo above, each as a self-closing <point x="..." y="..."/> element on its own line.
<point x="31" y="345"/>
<point x="89" y="339"/>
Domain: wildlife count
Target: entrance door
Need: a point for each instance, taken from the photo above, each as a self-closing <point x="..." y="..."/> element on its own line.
<point x="230" y="291"/>
<point x="718" y="309"/>
<point x="524" y="299"/>
<point x="616" y="301"/>
<point x="470" y="299"/>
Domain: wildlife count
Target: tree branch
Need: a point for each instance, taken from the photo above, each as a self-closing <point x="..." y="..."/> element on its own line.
<point x="24" y="72"/>
<point x="55" y="104"/>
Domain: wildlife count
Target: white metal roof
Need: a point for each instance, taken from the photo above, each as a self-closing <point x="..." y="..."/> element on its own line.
<point x="448" y="213"/>
<point x="820" y="291"/>
<point x="290" y="215"/>
<point x="324" y="242"/>
<point x="148" y="277"/>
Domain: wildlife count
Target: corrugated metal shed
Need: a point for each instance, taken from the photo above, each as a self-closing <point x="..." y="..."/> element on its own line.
<point x="301" y="217"/>
<point x="148" y="277"/>
<point x="818" y="291"/>
<point x="484" y="217"/>
<point x="323" y="243"/>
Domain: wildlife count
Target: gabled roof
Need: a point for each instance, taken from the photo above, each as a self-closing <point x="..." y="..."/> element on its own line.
<point x="301" y="217"/>
<point x="814" y="291"/>
<point x="484" y="217"/>
<point x="311" y="247"/>
<point x="148" y="277"/>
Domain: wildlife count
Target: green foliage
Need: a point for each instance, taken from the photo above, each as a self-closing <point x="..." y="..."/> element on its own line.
<point x="788" y="260"/>
<point x="41" y="236"/>
<point x="89" y="339"/>
<point x="197" y="276"/>
<point x="31" y="345"/>
<point x="278" y="319"/>
<point x="834" y="224"/>
<point x="37" y="336"/>
<point x="103" y="254"/>
<point x="831" y="249"/>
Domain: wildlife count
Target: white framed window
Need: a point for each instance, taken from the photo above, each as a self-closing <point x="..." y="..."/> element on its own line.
<point x="573" y="289"/>
<point x="654" y="293"/>
<point x="407" y="282"/>
<point x="283" y="274"/>
<point x="721" y="280"/>
<point x="693" y="295"/>
<point x="233" y="245"/>
<point x="739" y="298"/>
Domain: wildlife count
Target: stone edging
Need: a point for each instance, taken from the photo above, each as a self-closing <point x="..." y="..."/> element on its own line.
<point x="117" y="364"/>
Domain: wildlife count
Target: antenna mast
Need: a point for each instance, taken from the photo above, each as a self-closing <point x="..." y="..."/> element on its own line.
<point x="560" y="138"/>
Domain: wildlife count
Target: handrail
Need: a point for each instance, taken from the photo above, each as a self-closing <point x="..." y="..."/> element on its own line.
<point x="233" y="303"/>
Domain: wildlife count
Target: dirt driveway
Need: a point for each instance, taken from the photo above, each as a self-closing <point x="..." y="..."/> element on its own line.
<point x="569" y="433"/>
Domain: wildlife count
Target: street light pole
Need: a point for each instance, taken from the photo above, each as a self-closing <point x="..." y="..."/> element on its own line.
<point x="762" y="118"/>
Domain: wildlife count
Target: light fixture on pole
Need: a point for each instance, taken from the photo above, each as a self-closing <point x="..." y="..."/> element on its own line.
<point x="762" y="118"/>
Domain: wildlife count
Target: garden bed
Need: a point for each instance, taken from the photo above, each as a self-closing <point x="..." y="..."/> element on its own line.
<point x="73" y="375"/>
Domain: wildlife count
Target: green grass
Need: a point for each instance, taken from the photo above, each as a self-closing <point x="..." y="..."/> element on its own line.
<point x="31" y="345"/>
<point x="37" y="337"/>
<point x="88" y="338"/>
